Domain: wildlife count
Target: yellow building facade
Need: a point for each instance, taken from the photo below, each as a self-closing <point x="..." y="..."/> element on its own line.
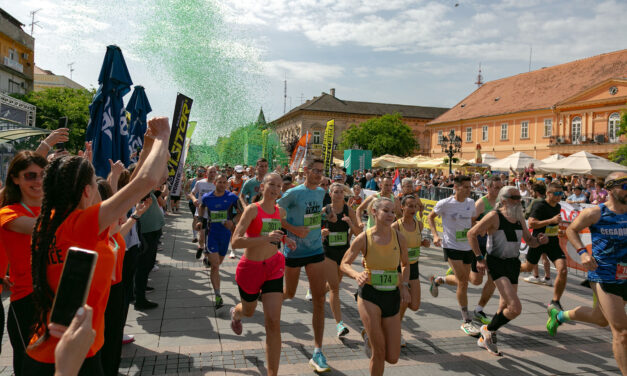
<point x="17" y="60"/>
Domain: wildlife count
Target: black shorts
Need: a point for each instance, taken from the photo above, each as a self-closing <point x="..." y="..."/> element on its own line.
<point x="618" y="289"/>
<point x="302" y="261"/>
<point x="413" y="271"/>
<point x="499" y="268"/>
<point x="273" y="285"/>
<point x="335" y="254"/>
<point x="552" y="252"/>
<point x="192" y="207"/>
<point x="473" y="264"/>
<point x="175" y="198"/>
<point x="454" y="254"/>
<point x="388" y="301"/>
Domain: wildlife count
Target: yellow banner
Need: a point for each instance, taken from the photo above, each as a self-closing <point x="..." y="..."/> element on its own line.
<point x="327" y="150"/>
<point x="429" y="204"/>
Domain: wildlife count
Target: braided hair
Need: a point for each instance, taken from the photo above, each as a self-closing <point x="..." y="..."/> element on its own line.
<point x="65" y="179"/>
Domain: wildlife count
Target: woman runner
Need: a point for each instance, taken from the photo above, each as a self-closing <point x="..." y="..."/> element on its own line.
<point x="261" y="268"/>
<point x="379" y="294"/>
<point x="411" y="229"/>
<point x="336" y="240"/>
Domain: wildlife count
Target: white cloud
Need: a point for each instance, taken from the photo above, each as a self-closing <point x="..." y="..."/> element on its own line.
<point x="302" y="70"/>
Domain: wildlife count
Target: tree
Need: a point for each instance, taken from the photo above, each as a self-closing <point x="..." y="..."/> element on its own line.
<point x="383" y="135"/>
<point x="620" y="154"/>
<point x="54" y="103"/>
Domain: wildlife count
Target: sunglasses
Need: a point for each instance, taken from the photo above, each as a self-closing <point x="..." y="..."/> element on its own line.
<point x="514" y="197"/>
<point x="31" y="176"/>
<point x="558" y="193"/>
<point x="316" y="171"/>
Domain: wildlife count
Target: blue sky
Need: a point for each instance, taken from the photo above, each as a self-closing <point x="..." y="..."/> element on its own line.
<point x="395" y="51"/>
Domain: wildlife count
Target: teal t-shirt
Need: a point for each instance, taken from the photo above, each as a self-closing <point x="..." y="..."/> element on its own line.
<point x="303" y="207"/>
<point x="152" y="219"/>
<point x="250" y="189"/>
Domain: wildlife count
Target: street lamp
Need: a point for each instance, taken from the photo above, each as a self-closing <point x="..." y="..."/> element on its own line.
<point x="451" y="146"/>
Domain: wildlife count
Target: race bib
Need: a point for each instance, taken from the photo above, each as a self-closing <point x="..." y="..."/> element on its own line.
<point x="462" y="235"/>
<point x="218" y="216"/>
<point x="621" y="270"/>
<point x="384" y="280"/>
<point x="414" y="254"/>
<point x="313" y="220"/>
<point x="268" y="225"/>
<point x="337" y="238"/>
<point x="552" y="230"/>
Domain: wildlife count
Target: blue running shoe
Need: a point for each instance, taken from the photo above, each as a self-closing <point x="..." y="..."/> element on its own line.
<point x="319" y="363"/>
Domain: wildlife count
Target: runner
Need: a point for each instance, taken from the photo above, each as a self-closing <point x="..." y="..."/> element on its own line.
<point x="202" y="187"/>
<point x="303" y="205"/>
<point x="505" y="227"/>
<point x="539" y="195"/>
<point x="457" y="213"/>
<point x="200" y="174"/>
<point x="545" y="218"/>
<point x="219" y="204"/>
<point x="386" y="191"/>
<point x="357" y="198"/>
<point x="251" y="187"/>
<point x="408" y="188"/>
<point x="380" y="297"/>
<point x="236" y="181"/>
<point x="336" y="241"/>
<point x="261" y="268"/>
<point x="606" y="266"/>
<point x="411" y="229"/>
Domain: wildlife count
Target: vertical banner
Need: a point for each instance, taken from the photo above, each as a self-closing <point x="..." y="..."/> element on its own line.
<point x="299" y="154"/>
<point x="176" y="146"/>
<point x="327" y="146"/>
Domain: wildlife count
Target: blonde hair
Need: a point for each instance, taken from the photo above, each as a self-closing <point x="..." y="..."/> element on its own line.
<point x="376" y="205"/>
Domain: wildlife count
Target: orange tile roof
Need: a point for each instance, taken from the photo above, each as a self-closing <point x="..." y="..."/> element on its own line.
<point x="539" y="89"/>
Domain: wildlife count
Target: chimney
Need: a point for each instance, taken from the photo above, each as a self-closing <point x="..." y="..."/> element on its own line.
<point x="333" y="91"/>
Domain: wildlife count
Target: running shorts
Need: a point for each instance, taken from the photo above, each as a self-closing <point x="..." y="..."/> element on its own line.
<point x="389" y="302"/>
<point x="218" y="242"/>
<point x="618" y="289"/>
<point x="413" y="271"/>
<point x="175" y="198"/>
<point x="455" y="254"/>
<point x="294" y="262"/>
<point x="499" y="268"/>
<point x="335" y="254"/>
<point x="553" y="253"/>
<point x="264" y="276"/>
<point x="192" y="207"/>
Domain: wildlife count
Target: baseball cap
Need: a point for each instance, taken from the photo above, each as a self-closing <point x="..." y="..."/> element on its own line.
<point x="239" y="169"/>
<point x="338" y="177"/>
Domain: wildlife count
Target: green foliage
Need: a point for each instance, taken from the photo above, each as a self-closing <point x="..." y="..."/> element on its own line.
<point x="620" y="154"/>
<point x="55" y="103"/>
<point x="383" y="135"/>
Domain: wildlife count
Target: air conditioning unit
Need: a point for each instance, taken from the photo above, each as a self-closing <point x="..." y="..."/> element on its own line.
<point x="599" y="139"/>
<point x="559" y="140"/>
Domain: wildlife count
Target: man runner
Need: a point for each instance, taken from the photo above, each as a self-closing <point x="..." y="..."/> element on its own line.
<point x="386" y="191"/>
<point x="202" y="187"/>
<point x="251" y="187"/>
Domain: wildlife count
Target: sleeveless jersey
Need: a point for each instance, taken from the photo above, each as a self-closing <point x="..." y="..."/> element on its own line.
<point x="609" y="247"/>
<point x="264" y="223"/>
<point x="381" y="262"/>
<point x="505" y="242"/>
<point x="487" y="207"/>
<point x="370" y="218"/>
<point x="338" y="231"/>
<point x="413" y="238"/>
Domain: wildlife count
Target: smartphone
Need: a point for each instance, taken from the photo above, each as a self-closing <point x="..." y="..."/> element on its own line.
<point x="74" y="285"/>
<point x="62" y="124"/>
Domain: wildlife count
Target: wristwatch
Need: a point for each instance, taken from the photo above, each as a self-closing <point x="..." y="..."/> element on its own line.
<point x="479" y="258"/>
<point x="135" y="217"/>
<point x="406" y="284"/>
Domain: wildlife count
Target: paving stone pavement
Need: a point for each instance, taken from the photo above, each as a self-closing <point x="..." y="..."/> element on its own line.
<point x="186" y="335"/>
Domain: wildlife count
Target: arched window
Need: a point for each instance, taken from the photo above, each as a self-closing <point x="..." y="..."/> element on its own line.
<point x="576" y="130"/>
<point x="612" y="127"/>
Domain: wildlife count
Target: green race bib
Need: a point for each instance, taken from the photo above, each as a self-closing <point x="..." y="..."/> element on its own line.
<point x="337" y="238"/>
<point x="313" y="220"/>
<point x="462" y="235"/>
<point x="414" y="254"/>
<point x="269" y="225"/>
<point x="218" y="216"/>
<point x="552" y="230"/>
<point x="384" y="280"/>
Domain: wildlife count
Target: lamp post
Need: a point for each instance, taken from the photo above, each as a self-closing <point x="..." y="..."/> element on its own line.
<point x="451" y="146"/>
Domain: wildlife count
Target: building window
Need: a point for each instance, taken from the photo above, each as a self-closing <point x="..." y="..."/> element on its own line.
<point x="548" y="127"/>
<point x="440" y="136"/>
<point x="12" y="54"/>
<point x="612" y="130"/>
<point x="524" y="129"/>
<point x="484" y="133"/>
<point x="469" y="134"/>
<point x="504" y="131"/>
<point x="316" y="137"/>
<point x="576" y="130"/>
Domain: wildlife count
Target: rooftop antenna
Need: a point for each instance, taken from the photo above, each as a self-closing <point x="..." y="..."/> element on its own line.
<point x="302" y="98"/>
<point x="479" y="78"/>
<point x="33" y="23"/>
<point x="285" y="94"/>
<point x="71" y="66"/>
<point x="530" y="50"/>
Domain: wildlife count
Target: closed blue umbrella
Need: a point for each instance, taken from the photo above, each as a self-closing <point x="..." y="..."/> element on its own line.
<point x="108" y="129"/>
<point x="139" y="107"/>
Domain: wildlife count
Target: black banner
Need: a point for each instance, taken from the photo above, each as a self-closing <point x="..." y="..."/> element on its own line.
<point x="177" y="136"/>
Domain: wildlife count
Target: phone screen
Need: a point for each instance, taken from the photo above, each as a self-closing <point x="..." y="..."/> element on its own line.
<point x="74" y="285"/>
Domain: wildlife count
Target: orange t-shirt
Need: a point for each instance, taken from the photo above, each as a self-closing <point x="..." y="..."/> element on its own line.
<point x="119" y="257"/>
<point x="80" y="229"/>
<point x="18" y="250"/>
<point x="235" y="187"/>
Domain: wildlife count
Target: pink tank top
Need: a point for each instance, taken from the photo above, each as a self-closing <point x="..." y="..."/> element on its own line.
<point x="264" y="223"/>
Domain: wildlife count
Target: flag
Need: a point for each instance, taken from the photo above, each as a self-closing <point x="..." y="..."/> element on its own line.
<point x="328" y="147"/>
<point x="138" y="107"/>
<point x="180" y="120"/>
<point x="108" y="128"/>
<point x="397" y="182"/>
<point x="300" y="153"/>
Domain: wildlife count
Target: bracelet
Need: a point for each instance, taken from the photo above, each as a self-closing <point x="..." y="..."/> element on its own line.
<point x="47" y="144"/>
<point x="582" y="250"/>
<point x="406" y="284"/>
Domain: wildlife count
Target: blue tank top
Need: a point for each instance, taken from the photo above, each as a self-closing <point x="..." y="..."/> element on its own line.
<point x="609" y="247"/>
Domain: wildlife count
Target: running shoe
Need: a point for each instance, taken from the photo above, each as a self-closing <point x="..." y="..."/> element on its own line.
<point x="487" y="341"/>
<point x="219" y="302"/>
<point x="433" y="289"/>
<point x="470" y="329"/>
<point x="450" y="271"/>
<point x="319" y="363"/>
<point x="553" y="322"/>
<point x="127" y="338"/>
<point x="308" y="295"/>
<point x="155" y="268"/>
<point x="342" y="330"/>
<point x="547" y="282"/>
<point x="553" y="304"/>
<point x="482" y="318"/>
<point x="367" y="349"/>
<point x="198" y="253"/>
<point x="195" y="240"/>
<point x="232" y="255"/>
<point x="403" y="342"/>
<point x="533" y="279"/>
<point x="236" y="325"/>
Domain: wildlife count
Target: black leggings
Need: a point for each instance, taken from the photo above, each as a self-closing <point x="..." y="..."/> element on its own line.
<point x="114" y="325"/>
<point x="145" y="262"/>
<point x="91" y="367"/>
<point x="20" y="323"/>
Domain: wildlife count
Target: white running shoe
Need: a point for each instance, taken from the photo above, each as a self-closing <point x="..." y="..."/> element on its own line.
<point x="547" y="282"/>
<point x="533" y="279"/>
<point x="488" y="341"/>
<point x="470" y="329"/>
<point x="232" y="255"/>
<point x="308" y="295"/>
